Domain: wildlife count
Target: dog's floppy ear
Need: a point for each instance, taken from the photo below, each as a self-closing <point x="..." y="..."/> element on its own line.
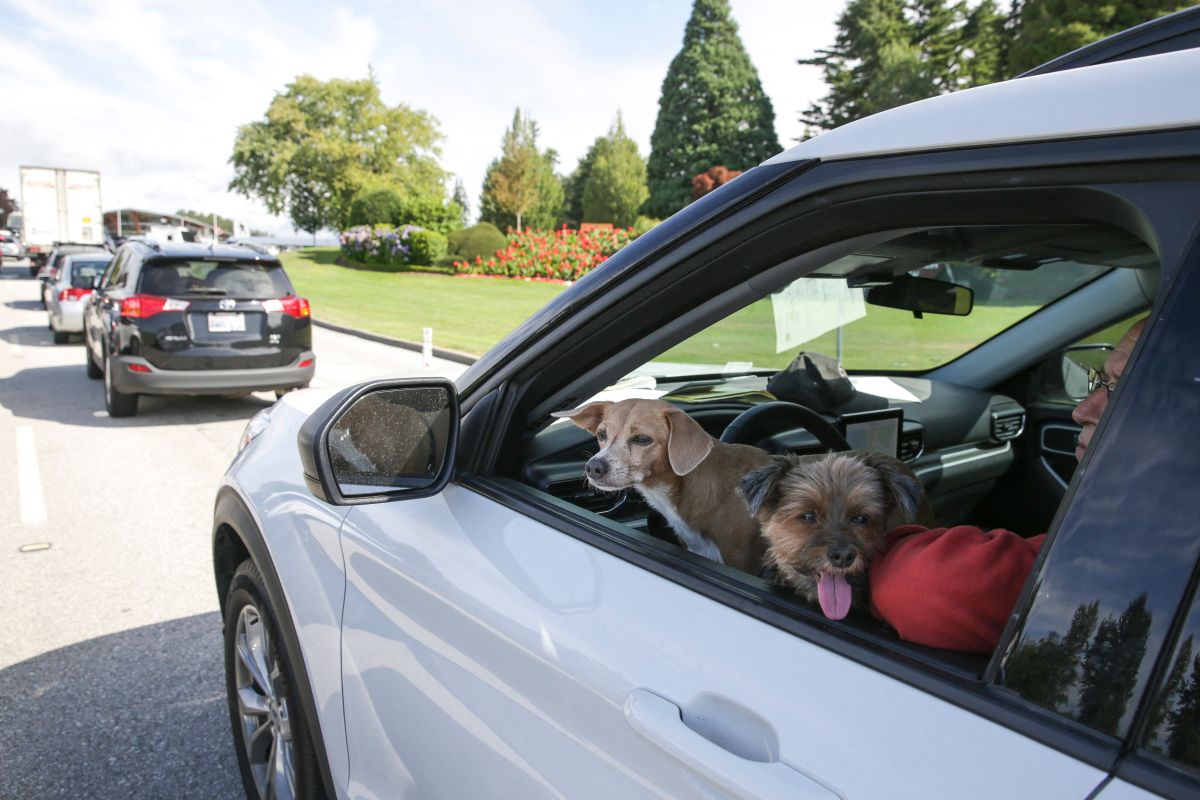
<point x="900" y="482"/>
<point x="758" y="487"/>
<point x="587" y="417"/>
<point x="687" y="443"/>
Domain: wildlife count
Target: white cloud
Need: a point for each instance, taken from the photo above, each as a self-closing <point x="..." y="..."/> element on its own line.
<point x="151" y="93"/>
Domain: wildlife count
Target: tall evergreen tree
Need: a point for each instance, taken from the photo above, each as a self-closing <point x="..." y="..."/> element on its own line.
<point x="1109" y="673"/>
<point x="712" y="110"/>
<point x="520" y="188"/>
<point x="1046" y="29"/>
<point x="616" y="183"/>
<point x="891" y="52"/>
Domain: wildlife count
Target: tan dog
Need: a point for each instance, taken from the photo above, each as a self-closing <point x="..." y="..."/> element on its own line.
<point x="825" y="517"/>
<point x="684" y="473"/>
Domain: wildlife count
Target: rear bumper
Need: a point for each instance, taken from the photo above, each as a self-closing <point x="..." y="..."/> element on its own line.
<point x="213" y="381"/>
<point x="67" y="317"/>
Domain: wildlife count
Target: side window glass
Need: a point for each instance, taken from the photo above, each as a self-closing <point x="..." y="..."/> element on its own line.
<point x="112" y="275"/>
<point x="1173" y="728"/>
<point x="1118" y="569"/>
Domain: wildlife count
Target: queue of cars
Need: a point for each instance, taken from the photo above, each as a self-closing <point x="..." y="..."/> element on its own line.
<point x="176" y="318"/>
<point x="421" y="597"/>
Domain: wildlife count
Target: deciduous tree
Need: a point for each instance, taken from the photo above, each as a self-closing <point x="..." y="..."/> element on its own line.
<point x="321" y="142"/>
<point x="521" y="188"/>
<point x="712" y="110"/>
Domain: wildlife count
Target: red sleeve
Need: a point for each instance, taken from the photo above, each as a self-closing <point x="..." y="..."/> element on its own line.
<point x="952" y="588"/>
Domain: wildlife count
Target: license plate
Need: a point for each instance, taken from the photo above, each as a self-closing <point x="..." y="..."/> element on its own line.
<point x="226" y="323"/>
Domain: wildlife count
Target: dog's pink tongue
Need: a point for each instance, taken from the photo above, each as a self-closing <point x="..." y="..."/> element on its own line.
<point x="833" y="592"/>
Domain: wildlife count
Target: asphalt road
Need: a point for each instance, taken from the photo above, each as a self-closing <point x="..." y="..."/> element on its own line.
<point x="111" y="676"/>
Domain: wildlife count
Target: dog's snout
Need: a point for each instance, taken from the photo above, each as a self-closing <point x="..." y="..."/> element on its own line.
<point x="596" y="467"/>
<point x="841" y="554"/>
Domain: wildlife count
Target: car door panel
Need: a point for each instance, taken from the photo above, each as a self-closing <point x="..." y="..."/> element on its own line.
<point x="486" y="654"/>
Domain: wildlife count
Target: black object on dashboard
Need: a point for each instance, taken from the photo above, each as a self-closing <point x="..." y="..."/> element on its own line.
<point x="817" y="381"/>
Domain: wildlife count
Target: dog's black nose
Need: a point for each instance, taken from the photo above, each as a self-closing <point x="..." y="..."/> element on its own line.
<point x="841" y="554"/>
<point x="596" y="468"/>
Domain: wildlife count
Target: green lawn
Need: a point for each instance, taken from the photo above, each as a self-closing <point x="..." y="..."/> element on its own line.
<point x="472" y="314"/>
<point x="467" y="314"/>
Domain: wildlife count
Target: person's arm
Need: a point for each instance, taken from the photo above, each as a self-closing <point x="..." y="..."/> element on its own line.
<point x="952" y="588"/>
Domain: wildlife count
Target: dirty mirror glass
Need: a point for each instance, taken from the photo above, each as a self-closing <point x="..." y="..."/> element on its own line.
<point x="391" y="438"/>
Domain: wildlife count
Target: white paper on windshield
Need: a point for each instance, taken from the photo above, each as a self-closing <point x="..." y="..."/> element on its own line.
<point x="806" y="309"/>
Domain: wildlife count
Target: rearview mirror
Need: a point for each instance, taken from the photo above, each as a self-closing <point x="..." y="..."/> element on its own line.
<point x="923" y="295"/>
<point x="382" y="440"/>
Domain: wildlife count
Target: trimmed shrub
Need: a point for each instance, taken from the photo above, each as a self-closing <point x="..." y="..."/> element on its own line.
<point x="482" y="240"/>
<point x="430" y="214"/>
<point x="644" y="224"/>
<point x="426" y="247"/>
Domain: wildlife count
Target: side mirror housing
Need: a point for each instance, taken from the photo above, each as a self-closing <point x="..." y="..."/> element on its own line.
<point x="381" y="440"/>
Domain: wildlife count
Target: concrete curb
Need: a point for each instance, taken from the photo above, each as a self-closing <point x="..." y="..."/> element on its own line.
<point x="449" y="355"/>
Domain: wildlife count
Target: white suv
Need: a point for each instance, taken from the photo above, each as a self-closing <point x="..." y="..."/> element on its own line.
<point x="422" y="597"/>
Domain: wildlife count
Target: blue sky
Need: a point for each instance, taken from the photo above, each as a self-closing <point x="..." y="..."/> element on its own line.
<point x="151" y="93"/>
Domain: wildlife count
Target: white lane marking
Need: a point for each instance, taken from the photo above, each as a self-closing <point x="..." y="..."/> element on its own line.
<point x="29" y="479"/>
<point x="16" y="349"/>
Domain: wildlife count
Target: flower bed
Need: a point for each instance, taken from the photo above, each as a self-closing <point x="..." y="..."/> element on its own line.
<point x="564" y="254"/>
<point x="380" y="244"/>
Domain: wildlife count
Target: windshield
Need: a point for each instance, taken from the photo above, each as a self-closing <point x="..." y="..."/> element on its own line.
<point x="83" y="272"/>
<point x="1013" y="272"/>
<point x="244" y="280"/>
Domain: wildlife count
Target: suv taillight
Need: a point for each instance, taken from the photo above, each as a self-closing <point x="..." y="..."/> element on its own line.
<point x="290" y="305"/>
<point x="73" y="294"/>
<point x="141" y="306"/>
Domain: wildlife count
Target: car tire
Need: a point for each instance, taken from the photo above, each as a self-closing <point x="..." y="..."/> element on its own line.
<point x="118" y="404"/>
<point x="270" y="731"/>
<point x="93" y="371"/>
<point x="61" y="337"/>
<point x="281" y="392"/>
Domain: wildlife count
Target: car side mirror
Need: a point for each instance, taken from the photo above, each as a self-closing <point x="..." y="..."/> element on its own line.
<point x="382" y="440"/>
<point x="922" y="296"/>
<point x="96" y="281"/>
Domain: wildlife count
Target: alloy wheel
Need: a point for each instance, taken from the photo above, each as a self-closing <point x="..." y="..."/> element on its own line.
<point x="263" y="708"/>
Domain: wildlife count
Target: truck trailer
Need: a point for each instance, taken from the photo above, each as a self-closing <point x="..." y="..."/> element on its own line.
<point x="60" y="206"/>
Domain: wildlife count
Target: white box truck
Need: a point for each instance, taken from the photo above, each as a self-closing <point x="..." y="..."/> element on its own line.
<point x="59" y="206"/>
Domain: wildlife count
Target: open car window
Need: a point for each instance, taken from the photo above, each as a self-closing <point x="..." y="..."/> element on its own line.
<point x="964" y="442"/>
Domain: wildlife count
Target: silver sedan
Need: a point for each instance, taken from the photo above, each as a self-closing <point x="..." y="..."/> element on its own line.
<point x="66" y="294"/>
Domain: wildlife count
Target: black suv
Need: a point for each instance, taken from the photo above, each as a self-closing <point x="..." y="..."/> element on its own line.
<point x="178" y="318"/>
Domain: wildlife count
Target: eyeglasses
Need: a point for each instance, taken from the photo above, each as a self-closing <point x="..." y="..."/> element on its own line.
<point x="1096" y="380"/>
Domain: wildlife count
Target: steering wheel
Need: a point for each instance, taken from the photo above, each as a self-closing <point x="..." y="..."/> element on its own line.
<point x="761" y="421"/>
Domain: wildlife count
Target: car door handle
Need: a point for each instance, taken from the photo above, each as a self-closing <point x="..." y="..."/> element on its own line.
<point x="660" y="722"/>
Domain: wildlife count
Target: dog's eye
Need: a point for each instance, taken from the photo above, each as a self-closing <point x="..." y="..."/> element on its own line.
<point x="601" y="436"/>
<point x="640" y="439"/>
<point x="808" y="516"/>
<point x="860" y="520"/>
